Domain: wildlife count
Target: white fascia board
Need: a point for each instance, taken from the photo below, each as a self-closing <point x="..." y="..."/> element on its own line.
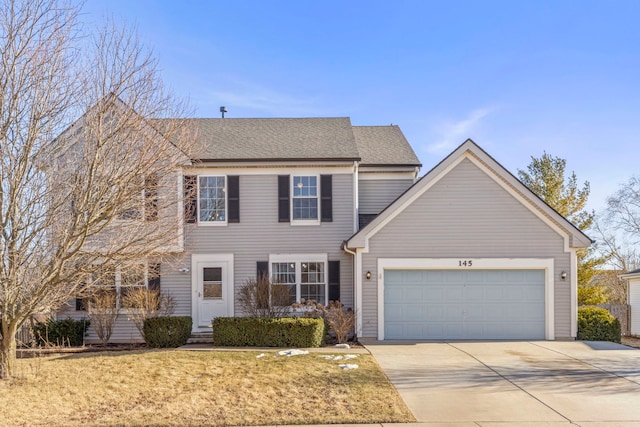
<point x="252" y="168"/>
<point x="471" y="153"/>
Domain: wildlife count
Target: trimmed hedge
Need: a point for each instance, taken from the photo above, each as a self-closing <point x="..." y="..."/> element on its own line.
<point x="61" y="332"/>
<point x="597" y="324"/>
<point x="268" y="332"/>
<point x="167" y="331"/>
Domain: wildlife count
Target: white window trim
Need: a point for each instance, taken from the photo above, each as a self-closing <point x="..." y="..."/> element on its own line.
<point x="318" y="197"/>
<point x="117" y="281"/>
<point x="226" y="202"/>
<point x="298" y="259"/>
<point x="142" y="208"/>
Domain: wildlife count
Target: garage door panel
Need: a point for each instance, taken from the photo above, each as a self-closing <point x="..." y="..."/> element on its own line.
<point x="464" y="304"/>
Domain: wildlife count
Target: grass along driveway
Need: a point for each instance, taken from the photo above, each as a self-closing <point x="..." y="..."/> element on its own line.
<point x="180" y="388"/>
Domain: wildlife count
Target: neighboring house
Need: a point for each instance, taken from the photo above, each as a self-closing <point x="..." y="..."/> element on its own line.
<point x="633" y="298"/>
<point x="335" y="211"/>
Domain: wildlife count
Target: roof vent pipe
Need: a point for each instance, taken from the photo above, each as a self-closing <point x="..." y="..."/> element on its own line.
<point x="223" y="110"/>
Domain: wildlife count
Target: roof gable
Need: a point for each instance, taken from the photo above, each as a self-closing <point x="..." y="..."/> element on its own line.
<point x="470" y="150"/>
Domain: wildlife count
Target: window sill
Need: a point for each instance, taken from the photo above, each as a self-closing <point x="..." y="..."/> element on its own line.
<point x="304" y="222"/>
<point x="212" y="223"/>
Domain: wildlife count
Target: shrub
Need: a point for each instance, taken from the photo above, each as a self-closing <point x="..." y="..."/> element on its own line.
<point x="61" y="332"/>
<point x="143" y="303"/>
<point x="167" y="331"/>
<point x="261" y="297"/>
<point x="102" y="312"/>
<point x="263" y="332"/>
<point x="597" y="324"/>
<point x="338" y="319"/>
<point x="592" y="295"/>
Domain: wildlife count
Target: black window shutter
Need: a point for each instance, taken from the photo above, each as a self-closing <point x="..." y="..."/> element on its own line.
<point x="334" y="280"/>
<point x="262" y="269"/>
<point x="190" y="198"/>
<point x="326" y="192"/>
<point x="233" y="197"/>
<point x="79" y="304"/>
<point x="151" y="198"/>
<point x="154" y="277"/>
<point x="284" y="204"/>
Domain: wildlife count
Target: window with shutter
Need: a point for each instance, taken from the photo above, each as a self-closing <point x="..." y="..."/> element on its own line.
<point x="190" y="198"/>
<point x="283" y="198"/>
<point x="233" y="198"/>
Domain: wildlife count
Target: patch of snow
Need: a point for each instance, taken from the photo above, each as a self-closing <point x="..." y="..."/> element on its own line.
<point x="348" y="366"/>
<point x="293" y="352"/>
<point x="260" y="355"/>
<point x="350" y="356"/>
<point x="343" y="346"/>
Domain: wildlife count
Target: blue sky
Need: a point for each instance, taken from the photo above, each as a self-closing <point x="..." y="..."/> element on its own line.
<point x="519" y="77"/>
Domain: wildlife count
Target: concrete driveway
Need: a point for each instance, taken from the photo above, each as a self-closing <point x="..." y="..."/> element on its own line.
<point x="515" y="383"/>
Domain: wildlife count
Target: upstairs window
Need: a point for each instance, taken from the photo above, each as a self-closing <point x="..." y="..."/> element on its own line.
<point x="143" y="204"/>
<point x="212" y="200"/>
<point x="305" y="198"/>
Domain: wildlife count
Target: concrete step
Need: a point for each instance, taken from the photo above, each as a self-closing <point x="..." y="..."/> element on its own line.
<point x="200" y="338"/>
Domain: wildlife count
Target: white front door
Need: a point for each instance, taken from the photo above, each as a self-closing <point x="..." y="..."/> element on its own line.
<point x="212" y="283"/>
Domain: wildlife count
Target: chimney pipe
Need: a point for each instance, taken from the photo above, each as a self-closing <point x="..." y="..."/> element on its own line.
<point x="223" y="110"/>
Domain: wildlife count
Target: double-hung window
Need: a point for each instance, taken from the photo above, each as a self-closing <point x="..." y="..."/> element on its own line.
<point x="304" y="197"/>
<point x="212" y="200"/>
<point x="305" y="276"/>
<point x="144" y="202"/>
<point x="119" y="282"/>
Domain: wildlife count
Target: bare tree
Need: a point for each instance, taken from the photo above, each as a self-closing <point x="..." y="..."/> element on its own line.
<point x="623" y="256"/>
<point x="78" y="195"/>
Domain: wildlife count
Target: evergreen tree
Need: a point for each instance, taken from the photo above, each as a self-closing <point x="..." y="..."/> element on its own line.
<point x="546" y="177"/>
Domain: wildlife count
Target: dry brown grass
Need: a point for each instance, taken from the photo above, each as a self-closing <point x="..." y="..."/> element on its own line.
<point x="631" y="341"/>
<point x="183" y="388"/>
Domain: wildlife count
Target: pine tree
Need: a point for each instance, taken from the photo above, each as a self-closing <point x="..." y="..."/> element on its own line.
<point x="546" y="177"/>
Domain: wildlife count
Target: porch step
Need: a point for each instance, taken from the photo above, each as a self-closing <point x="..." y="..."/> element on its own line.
<point x="200" y="338"/>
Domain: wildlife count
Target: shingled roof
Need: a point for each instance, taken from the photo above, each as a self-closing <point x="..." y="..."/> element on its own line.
<point x="276" y="139"/>
<point x="384" y="145"/>
<point x="299" y="139"/>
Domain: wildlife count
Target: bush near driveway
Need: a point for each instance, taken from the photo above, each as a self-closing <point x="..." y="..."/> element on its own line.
<point x="597" y="324"/>
<point x="268" y="332"/>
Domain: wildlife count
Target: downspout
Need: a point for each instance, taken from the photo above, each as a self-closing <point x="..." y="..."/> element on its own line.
<point x="356" y="197"/>
<point x="356" y="295"/>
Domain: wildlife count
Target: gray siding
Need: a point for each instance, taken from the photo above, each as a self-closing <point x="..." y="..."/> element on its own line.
<point x="467" y="215"/>
<point x="259" y="233"/>
<point x="375" y="195"/>
<point x="173" y="283"/>
<point x="256" y="236"/>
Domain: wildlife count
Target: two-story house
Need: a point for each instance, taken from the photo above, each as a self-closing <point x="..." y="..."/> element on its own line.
<point x="336" y="211"/>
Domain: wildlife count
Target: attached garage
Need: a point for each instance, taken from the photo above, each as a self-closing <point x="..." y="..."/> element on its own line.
<point x="467" y="253"/>
<point x="464" y="304"/>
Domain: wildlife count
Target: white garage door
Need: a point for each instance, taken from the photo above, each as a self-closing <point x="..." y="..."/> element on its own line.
<point x="464" y="304"/>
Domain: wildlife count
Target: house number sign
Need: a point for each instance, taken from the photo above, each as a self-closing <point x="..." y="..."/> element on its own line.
<point x="465" y="263"/>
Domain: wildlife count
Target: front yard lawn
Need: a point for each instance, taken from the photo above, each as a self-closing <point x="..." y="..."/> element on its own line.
<point x="180" y="388"/>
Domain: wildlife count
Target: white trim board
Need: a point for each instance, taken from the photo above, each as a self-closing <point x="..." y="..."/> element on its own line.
<point x="546" y="264"/>
<point x="212" y="258"/>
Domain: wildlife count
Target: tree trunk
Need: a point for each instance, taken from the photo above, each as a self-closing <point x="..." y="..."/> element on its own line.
<point x="8" y="353"/>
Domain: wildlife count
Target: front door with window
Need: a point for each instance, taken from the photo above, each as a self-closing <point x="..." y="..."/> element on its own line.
<point x="212" y="281"/>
